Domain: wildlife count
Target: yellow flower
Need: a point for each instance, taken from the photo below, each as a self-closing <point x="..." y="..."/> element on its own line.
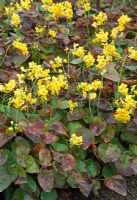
<point x="123" y="20"/>
<point x="47" y="1"/>
<point x="58" y="62"/>
<point x="10" y="86"/>
<point x="110" y="50"/>
<point x="52" y="33"/>
<point x="103" y="61"/>
<point x="101" y="36"/>
<point x="133" y="53"/>
<point x="35" y="71"/>
<point x="114" y="32"/>
<point x="78" y="51"/>
<point x="25" y="4"/>
<point x="123" y="89"/>
<point x="122" y="115"/>
<point x="39" y="30"/>
<point x="76" y="140"/>
<point x="92" y="95"/>
<point x="72" y="105"/>
<point x="84" y="87"/>
<point x="21" y="46"/>
<point x="96" y="85"/>
<point x="99" y="19"/>
<point x="89" y="60"/>
<point x="2" y="88"/>
<point x="87" y="6"/>
<point x="15" y="20"/>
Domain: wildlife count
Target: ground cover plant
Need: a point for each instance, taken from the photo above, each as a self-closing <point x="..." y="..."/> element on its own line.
<point x="68" y="88"/>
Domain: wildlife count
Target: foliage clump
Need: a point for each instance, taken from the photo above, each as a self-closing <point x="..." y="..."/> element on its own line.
<point x="68" y="99"/>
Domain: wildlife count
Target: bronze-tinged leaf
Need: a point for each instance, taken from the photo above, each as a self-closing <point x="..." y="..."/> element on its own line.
<point x="57" y="156"/>
<point x="5" y="75"/>
<point x="5" y="136"/>
<point x="97" y="126"/>
<point x="37" y="148"/>
<point x="46" y="179"/>
<point x="83" y="182"/>
<point x="88" y="137"/>
<point x="50" y="138"/>
<point x="68" y="162"/>
<point x="44" y="157"/>
<point x="60" y="128"/>
<point x="109" y="133"/>
<point x="117" y="183"/>
<point x="76" y="115"/>
<point x="111" y="73"/>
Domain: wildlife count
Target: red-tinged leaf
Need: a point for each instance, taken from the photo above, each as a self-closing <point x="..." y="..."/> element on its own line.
<point x="68" y="162"/>
<point x="117" y="183"/>
<point x="60" y="128"/>
<point x="57" y="156"/>
<point x="97" y="126"/>
<point x="83" y="182"/>
<point x="5" y="136"/>
<point x="46" y="179"/>
<point x="76" y="115"/>
<point x="88" y="137"/>
<point x="50" y="138"/>
<point x="109" y="133"/>
<point x="5" y="76"/>
<point x="20" y="180"/>
<point x="2" y="51"/>
<point x="37" y="148"/>
<point x="44" y="157"/>
<point x="111" y="73"/>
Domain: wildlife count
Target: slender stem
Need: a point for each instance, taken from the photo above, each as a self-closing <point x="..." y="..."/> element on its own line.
<point x="99" y="96"/>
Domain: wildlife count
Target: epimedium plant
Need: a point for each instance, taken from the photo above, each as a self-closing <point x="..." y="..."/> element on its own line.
<point x="68" y="99"/>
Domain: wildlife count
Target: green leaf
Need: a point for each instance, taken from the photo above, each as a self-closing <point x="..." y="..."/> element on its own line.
<point x="109" y="170"/>
<point x="18" y="194"/>
<point x="13" y="113"/>
<point x="93" y="168"/>
<point x="133" y="147"/>
<point x="31" y="165"/>
<point x="129" y="137"/>
<point x="73" y="126"/>
<point x="30" y="186"/>
<point x="60" y="146"/>
<point x="49" y="195"/>
<point x="63" y="104"/>
<point x="7" y="175"/>
<point x="81" y="166"/>
<point x="71" y="182"/>
<point x="76" y="61"/>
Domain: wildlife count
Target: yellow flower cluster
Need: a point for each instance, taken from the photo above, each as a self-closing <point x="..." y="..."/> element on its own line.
<point x="21" y="98"/>
<point x="89" y="59"/>
<point x="63" y="9"/>
<point x="15" y="19"/>
<point x="21" y="46"/>
<point x="23" y="5"/>
<point x="126" y="103"/>
<point x="133" y="53"/>
<point x="57" y="63"/>
<point x="78" y="51"/>
<point x="110" y="50"/>
<point x="122" y="22"/>
<point x="39" y="29"/>
<point x="72" y="105"/>
<point x="51" y="86"/>
<point x="76" y="140"/>
<point x="88" y="88"/>
<point x="10" y="9"/>
<point x="101" y="37"/>
<point x="99" y="19"/>
<point x="84" y="4"/>
<point x="8" y="87"/>
<point x="52" y="33"/>
<point x="35" y="71"/>
<point x="103" y="61"/>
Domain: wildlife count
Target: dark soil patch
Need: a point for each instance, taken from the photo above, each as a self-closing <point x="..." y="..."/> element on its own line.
<point x="105" y="194"/>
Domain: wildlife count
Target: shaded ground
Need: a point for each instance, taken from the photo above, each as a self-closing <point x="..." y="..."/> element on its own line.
<point x="105" y="194"/>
